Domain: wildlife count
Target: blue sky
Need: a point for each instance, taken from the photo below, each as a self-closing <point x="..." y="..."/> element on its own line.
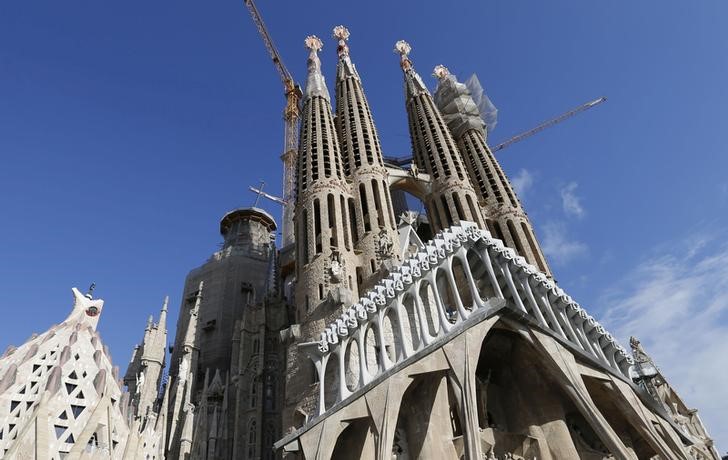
<point x="128" y="130"/>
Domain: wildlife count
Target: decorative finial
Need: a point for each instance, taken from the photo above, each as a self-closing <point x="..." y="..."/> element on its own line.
<point x="313" y="43"/>
<point x="440" y="71"/>
<point x="342" y="34"/>
<point x="403" y="48"/>
<point x="166" y="302"/>
<point x="89" y="294"/>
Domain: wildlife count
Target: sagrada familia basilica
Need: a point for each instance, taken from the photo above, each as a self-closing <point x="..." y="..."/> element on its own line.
<point x="372" y="333"/>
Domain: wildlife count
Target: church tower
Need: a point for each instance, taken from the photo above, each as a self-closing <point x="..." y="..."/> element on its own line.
<point x="326" y="263"/>
<point x="373" y="224"/>
<point x="503" y="212"/>
<point x="451" y="197"/>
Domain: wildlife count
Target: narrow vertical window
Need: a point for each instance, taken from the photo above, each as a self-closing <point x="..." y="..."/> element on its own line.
<point x="317" y="226"/>
<point x="516" y="238"/>
<point x="305" y="236"/>
<point x="473" y="210"/>
<point x="458" y="206"/>
<point x="378" y="204"/>
<point x="364" y="207"/>
<point x="446" y="210"/>
<point x="352" y="221"/>
<point x="331" y="212"/>
<point x="344" y="223"/>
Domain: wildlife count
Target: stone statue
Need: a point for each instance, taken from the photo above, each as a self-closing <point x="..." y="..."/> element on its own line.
<point x="385" y="246"/>
<point x="335" y="268"/>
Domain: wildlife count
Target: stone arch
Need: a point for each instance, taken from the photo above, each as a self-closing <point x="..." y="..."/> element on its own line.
<point x="523" y="407"/>
<point x="613" y="409"/>
<point x="429" y="303"/>
<point x="424" y="426"/>
<point x="448" y="296"/>
<point x="371" y="350"/>
<point x="356" y="441"/>
<point x="482" y="278"/>
<point x="331" y="382"/>
<point x="412" y="337"/>
<point x="389" y="332"/>
<point x="352" y="371"/>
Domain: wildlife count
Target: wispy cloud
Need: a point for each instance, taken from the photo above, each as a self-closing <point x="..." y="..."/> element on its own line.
<point x="522" y="182"/>
<point x="570" y="202"/>
<point x="558" y="246"/>
<point x="677" y="305"/>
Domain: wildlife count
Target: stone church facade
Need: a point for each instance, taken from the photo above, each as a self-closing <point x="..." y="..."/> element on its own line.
<point x="374" y="335"/>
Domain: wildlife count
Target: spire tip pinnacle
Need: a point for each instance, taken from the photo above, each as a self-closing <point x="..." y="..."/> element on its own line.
<point x="440" y="71"/>
<point x="403" y="49"/>
<point x="341" y="32"/>
<point x="313" y="43"/>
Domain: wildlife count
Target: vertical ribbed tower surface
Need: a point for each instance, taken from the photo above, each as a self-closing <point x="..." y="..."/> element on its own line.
<point x="325" y="262"/>
<point x="504" y="215"/>
<point x="325" y="259"/>
<point x="371" y="215"/>
<point x="452" y="198"/>
<point x="60" y="395"/>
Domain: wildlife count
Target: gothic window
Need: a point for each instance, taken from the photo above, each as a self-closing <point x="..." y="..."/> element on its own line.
<point x="254" y="393"/>
<point x="252" y="435"/>
<point x="256" y="345"/>
<point x="269" y="393"/>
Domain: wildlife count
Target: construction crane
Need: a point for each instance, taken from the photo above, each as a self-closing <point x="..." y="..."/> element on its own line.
<point x="291" y="117"/>
<point x="549" y="123"/>
<point x="401" y="161"/>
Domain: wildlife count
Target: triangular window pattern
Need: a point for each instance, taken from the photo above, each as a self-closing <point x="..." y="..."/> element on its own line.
<point x="59" y="430"/>
<point x="80" y="395"/>
<point x="63" y="416"/>
<point x="70" y="387"/>
<point x="28" y="404"/>
<point x="22" y="391"/>
<point x="72" y="375"/>
<point x="77" y="410"/>
<point x="70" y="439"/>
<point x="36" y="367"/>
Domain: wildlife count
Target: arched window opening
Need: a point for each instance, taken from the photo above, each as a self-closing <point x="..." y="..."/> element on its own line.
<point x="534" y="249"/>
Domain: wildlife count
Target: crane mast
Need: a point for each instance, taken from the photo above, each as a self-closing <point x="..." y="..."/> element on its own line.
<point x="291" y="117"/>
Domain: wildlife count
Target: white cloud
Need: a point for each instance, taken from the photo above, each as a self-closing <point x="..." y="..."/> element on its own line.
<point x="677" y="305"/>
<point x="521" y="182"/>
<point x="571" y="202"/>
<point x="558" y="246"/>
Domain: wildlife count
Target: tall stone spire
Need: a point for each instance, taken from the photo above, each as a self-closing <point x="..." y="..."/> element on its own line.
<point x="503" y="212"/>
<point x="452" y="197"/>
<point x="325" y="255"/>
<point x="370" y="212"/>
